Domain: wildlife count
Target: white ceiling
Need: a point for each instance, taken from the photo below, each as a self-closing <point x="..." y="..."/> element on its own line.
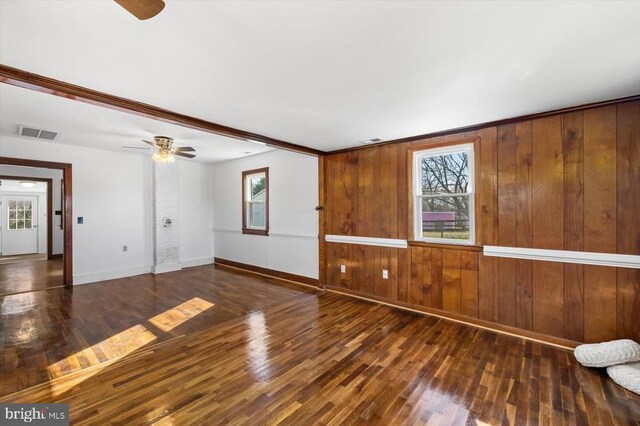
<point x="93" y="126"/>
<point x="330" y="74"/>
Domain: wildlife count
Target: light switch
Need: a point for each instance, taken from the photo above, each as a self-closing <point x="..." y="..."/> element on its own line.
<point x="343" y="269"/>
<point x="385" y="274"/>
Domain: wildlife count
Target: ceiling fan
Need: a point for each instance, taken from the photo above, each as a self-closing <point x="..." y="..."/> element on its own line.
<point x="142" y="9"/>
<point x="165" y="151"/>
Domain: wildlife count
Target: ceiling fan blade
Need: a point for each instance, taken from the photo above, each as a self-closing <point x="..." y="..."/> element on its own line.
<point x="184" y="148"/>
<point x="182" y="154"/>
<point x="137" y="147"/>
<point x="150" y="143"/>
<point x="142" y="9"/>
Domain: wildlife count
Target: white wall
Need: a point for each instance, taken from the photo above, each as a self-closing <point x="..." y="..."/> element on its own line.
<point x="56" y="179"/>
<point x="292" y="244"/>
<point x="113" y="192"/>
<point x="195" y="213"/>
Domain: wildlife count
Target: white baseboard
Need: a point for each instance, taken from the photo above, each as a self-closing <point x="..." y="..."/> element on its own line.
<point x="189" y="263"/>
<point x="165" y="267"/>
<point x="109" y="275"/>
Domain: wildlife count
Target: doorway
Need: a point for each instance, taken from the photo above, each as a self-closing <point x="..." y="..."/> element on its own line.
<point x="36" y="243"/>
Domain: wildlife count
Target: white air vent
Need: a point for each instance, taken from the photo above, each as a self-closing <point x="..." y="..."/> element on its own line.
<point x="32" y="132"/>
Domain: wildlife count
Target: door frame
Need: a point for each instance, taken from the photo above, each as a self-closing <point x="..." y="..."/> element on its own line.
<point x="67" y="210"/>
<point x="49" y="183"/>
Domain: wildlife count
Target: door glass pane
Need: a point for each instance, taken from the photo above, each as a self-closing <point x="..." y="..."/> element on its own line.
<point x="12" y="214"/>
<point x="20" y="224"/>
<point x="12" y="224"/>
<point x="27" y="224"/>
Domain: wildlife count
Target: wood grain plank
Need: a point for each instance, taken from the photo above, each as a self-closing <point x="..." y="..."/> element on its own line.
<point x="404" y="274"/>
<point x="548" y="184"/>
<point x="524" y="184"/>
<point x="427" y="278"/>
<point x="573" y="140"/>
<point x="487" y="187"/>
<point x="436" y="279"/>
<point x="600" y="233"/>
<point x="415" y="294"/>
<point x="393" y="191"/>
<point x="507" y="160"/>
<point x="402" y="191"/>
<point x="548" y="224"/>
<point x="600" y="287"/>
<point x="524" y="294"/>
<point x="451" y="281"/>
<point x="485" y="288"/>
<point x="600" y="197"/>
<point x="548" y="298"/>
<point x="628" y="226"/>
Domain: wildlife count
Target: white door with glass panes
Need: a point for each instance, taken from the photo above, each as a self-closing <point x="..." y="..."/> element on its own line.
<point x="19" y="224"/>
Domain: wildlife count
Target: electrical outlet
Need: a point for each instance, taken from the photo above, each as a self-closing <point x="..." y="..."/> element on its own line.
<point x="343" y="269"/>
<point x="385" y="274"/>
<point x="125" y="248"/>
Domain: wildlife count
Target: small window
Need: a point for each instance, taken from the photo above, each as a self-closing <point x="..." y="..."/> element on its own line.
<point x="255" y="201"/>
<point x="443" y="195"/>
<point x="20" y="215"/>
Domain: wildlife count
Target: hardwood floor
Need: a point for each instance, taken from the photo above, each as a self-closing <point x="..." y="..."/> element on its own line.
<point x="210" y="345"/>
<point x="28" y="275"/>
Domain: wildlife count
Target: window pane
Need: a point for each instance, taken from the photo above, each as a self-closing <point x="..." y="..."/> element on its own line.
<point x="445" y="174"/>
<point x="27" y="224"/>
<point x="446" y="217"/>
<point x="12" y="224"/>
<point x="258" y="187"/>
<point x="12" y="214"/>
<point x="27" y="205"/>
<point x="20" y="224"/>
<point x="21" y="214"/>
<point x="12" y="204"/>
<point x="257" y="215"/>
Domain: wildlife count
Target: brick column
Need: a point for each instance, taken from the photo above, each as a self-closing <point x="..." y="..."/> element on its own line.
<point x="166" y="243"/>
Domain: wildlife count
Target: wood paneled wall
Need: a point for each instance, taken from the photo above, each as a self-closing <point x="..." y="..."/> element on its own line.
<point x="566" y="182"/>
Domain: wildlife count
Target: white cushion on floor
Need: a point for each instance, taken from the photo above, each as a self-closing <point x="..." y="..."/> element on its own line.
<point x="608" y="353"/>
<point x="626" y="375"/>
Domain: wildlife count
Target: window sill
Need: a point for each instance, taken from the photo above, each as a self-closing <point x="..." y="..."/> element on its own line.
<point x="462" y="247"/>
<point x="250" y="231"/>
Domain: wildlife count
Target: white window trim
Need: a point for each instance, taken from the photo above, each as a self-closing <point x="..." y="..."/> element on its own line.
<point x="467" y="148"/>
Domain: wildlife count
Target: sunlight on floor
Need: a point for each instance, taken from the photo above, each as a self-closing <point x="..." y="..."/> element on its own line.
<point x="172" y="318"/>
<point x="115" y="347"/>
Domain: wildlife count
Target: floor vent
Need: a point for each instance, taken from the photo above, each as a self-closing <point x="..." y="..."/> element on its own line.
<point x="32" y="132"/>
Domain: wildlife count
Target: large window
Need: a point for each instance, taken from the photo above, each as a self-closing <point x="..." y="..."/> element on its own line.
<point x="443" y="194"/>
<point x="255" y="201"/>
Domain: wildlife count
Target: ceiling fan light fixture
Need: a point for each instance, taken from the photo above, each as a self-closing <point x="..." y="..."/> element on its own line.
<point x="27" y="184"/>
<point x="163" y="157"/>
